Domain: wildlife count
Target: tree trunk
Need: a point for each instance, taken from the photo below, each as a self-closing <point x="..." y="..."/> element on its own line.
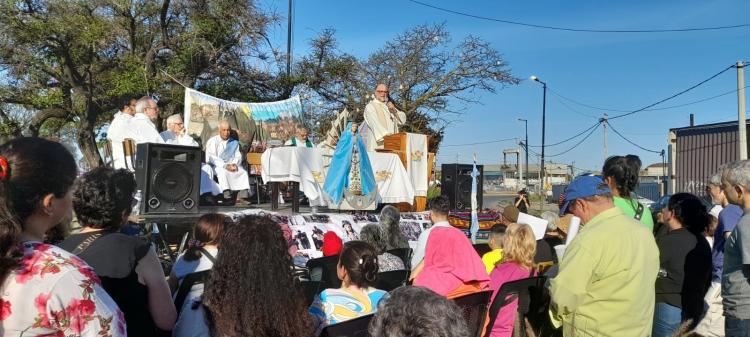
<point x="87" y="143"/>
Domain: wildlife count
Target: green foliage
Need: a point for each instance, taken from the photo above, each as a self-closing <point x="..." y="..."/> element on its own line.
<point x="76" y="60"/>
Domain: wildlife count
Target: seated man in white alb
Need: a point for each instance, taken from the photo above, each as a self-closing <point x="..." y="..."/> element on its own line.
<point x="118" y="130"/>
<point x="381" y="118"/>
<point x="299" y="139"/>
<point x="176" y="135"/>
<point x="223" y="154"/>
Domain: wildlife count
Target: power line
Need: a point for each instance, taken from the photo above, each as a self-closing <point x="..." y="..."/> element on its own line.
<point x="574" y="110"/>
<point x="570" y="138"/>
<point x="480" y="143"/>
<point x="579" y="143"/>
<point x="675" y="95"/>
<point x="654" y="109"/>
<point x="585" y="30"/>
<point x="631" y="142"/>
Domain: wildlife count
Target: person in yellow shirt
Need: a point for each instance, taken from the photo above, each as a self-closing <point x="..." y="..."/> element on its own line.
<point x="494" y="256"/>
<point x="606" y="283"/>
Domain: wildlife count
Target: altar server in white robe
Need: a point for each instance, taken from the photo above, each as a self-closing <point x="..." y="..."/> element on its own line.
<point x="175" y="134"/>
<point x="118" y="130"/>
<point x="223" y="154"/>
<point x="381" y="119"/>
<point x="141" y="127"/>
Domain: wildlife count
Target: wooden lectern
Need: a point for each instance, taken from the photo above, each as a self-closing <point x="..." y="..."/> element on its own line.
<point x="396" y="143"/>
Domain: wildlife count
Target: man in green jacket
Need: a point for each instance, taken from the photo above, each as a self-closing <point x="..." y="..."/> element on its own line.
<point x="605" y="286"/>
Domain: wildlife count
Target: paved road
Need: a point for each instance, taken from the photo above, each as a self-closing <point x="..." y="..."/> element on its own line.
<point x="499" y="201"/>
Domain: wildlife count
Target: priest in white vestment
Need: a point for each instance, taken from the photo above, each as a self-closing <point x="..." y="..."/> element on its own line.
<point x="299" y="139"/>
<point x="381" y="118"/>
<point x="118" y="130"/>
<point x="141" y="127"/>
<point x="175" y="135"/>
<point x="223" y="154"/>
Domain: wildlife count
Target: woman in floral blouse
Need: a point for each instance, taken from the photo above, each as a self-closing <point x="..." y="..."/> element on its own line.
<point x="45" y="290"/>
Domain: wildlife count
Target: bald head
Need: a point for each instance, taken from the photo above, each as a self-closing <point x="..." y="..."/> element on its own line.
<point x="381" y="92"/>
<point x="224" y="129"/>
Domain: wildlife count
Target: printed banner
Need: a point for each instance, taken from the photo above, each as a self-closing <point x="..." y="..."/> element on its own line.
<point x="252" y="121"/>
<point x="307" y="230"/>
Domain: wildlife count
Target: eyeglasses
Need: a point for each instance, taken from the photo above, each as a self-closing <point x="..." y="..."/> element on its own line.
<point x="382" y="91"/>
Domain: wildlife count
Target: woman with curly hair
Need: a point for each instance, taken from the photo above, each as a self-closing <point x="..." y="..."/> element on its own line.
<point x="358" y="270"/>
<point x="389" y="221"/>
<point x="203" y="248"/>
<point x="418" y="311"/>
<point x="44" y="289"/>
<point x="251" y="290"/>
<point x="129" y="269"/>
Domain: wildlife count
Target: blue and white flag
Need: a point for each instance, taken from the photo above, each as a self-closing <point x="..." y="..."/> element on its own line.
<point x="474" y="218"/>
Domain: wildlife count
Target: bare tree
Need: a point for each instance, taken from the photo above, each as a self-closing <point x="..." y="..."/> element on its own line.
<point x="430" y="79"/>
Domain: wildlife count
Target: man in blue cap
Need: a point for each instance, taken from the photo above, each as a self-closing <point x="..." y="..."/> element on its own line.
<point x="605" y="286"/>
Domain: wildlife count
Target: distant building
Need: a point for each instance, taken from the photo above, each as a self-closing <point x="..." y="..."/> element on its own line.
<point x="653" y="173"/>
<point x="696" y="152"/>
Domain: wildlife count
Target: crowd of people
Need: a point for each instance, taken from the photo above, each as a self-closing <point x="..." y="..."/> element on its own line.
<point x="620" y="276"/>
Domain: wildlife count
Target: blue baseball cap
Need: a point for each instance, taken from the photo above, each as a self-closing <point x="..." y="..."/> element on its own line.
<point x="582" y="187"/>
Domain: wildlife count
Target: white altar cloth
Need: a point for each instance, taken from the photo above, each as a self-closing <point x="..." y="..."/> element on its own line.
<point x="305" y="166"/>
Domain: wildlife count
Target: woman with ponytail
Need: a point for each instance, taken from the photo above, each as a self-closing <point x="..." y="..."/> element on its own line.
<point x="621" y="174"/>
<point x="44" y="289"/>
<point x="685" y="264"/>
<point x="357" y="269"/>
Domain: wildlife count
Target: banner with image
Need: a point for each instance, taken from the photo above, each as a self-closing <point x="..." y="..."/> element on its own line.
<point x="252" y="121"/>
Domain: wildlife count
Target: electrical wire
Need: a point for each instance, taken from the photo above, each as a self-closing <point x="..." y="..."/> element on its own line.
<point x="574" y="110"/>
<point x="480" y="143"/>
<point x="584" y="30"/>
<point x="631" y="142"/>
<point x="675" y="95"/>
<point x="576" y="145"/>
<point x="570" y="138"/>
<point x="654" y="109"/>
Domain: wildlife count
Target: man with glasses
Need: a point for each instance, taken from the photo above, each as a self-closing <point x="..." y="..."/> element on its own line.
<point x="607" y="277"/>
<point x="176" y="135"/>
<point x="118" y="130"/>
<point x="142" y="128"/>
<point x="381" y="118"/>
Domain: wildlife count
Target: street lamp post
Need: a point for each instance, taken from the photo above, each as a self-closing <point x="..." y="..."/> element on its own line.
<point x="544" y="115"/>
<point x="526" y="148"/>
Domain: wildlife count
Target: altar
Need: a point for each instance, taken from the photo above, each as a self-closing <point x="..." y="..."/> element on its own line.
<point x="304" y="166"/>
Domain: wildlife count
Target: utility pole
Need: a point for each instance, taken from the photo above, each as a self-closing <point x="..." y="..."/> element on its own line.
<point x="526" y="149"/>
<point x="604" y="125"/>
<point x="741" y="110"/>
<point x="289" y="43"/>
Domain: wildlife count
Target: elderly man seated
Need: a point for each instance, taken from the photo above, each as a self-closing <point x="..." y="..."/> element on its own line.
<point x="176" y="135"/>
<point x="223" y="154"/>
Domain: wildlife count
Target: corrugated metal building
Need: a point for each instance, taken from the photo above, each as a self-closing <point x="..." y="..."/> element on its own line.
<point x="696" y="152"/>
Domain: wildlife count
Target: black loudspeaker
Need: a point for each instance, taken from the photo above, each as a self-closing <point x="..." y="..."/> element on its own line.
<point x="455" y="183"/>
<point x="168" y="177"/>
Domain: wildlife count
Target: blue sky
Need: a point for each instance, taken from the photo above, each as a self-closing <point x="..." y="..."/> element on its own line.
<point x="619" y="71"/>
